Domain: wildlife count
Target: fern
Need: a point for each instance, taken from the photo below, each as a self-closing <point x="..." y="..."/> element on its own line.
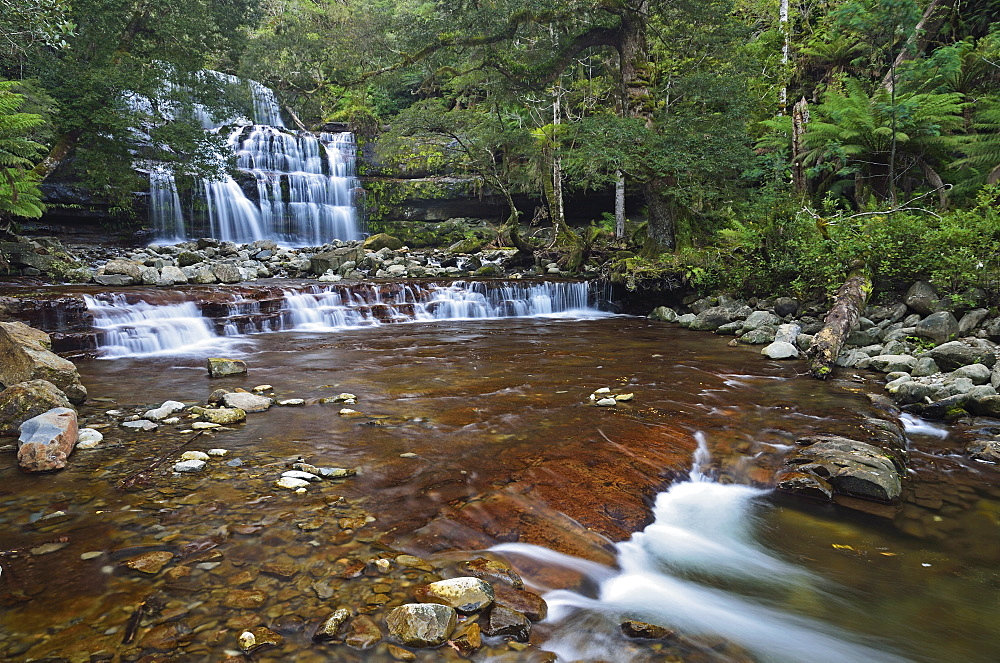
<point x="19" y="194"/>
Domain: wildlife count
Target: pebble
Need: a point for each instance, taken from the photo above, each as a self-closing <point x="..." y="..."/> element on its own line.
<point x="344" y="412"/>
<point x="194" y="455"/>
<point x="88" y="438"/>
<point x="606" y="402"/>
<point x="296" y="474"/>
<point x="189" y="466"/>
<point x="408" y="454"/>
<point x="204" y="425"/>
<point x="336" y="472"/>
<point x="624" y="397"/>
<point x="140" y="424"/>
<point x="291" y="483"/>
<point x="292" y="402"/>
<point x="603" y="390"/>
<point x="217" y="452"/>
<point x="91" y="555"/>
<point x="262" y="387"/>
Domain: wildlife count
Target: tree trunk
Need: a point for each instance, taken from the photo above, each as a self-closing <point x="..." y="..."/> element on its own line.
<point x="924" y="32"/>
<point x="800" y="119"/>
<point x="838" y="324"/>
<point x="619" y="204"/>
<point x="661" y="228"/>
<point x="58" y="154"/>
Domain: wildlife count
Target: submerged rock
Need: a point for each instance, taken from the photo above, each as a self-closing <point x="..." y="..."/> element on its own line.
<point x="489" y="569"/>
<point x="47" y="440"/>
<point x="222" y="415"/>
<point x="328" y="629"/>
<point x="506" y="622"/>
<point x="421" y="624"/>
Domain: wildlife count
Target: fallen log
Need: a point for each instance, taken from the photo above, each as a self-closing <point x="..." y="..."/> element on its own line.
<point x="838" y="324"/>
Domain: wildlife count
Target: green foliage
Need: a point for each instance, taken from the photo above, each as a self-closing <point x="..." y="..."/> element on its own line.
<point x="19" y="195"/>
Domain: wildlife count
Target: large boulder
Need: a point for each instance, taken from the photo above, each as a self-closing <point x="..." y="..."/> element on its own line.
<point x="711" y="319"/>
<point x="923" y="298"/>
<point x="46" y="441"/>
<point x="850" y="467"/>
<point x="758" y="319"/>
<point x="955" y="354"/>
<point x="124" y="267"/>
<point x="25" y="400"/>
<point x="939" y="327"/>
<point x="26" y="354"/>
<point x="326" y="261"/>
<point x="382" y="241"/>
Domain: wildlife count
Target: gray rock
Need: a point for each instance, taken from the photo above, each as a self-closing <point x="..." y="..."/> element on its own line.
<point x="786" y="306"/>
<point x="421" y="624"/>
<point x="730" y="328"/>
<point x="465" y="594"/>
<point x="140" y="424"/>
<point x="173" y="275"/>
<point x="851" y="358"/>
<point x="894" y="348"/>
<point x="971" y="320"/>
<point x="221" y="367"/>
<point x="850" y="467"/>
<point x="940" y="327"/>
<point x="801" y="483"/>
<point x="986" y="406"/>
<point x="912" y="392"/>
<point x="123" y="267"/>
<point x="984" y="450"/>
<point x="981" y="391"/>
<point x="954" y="386"/>
<point x="992" y="329"/>
<point x="26" y="355"/>
<point x="925" y="366"/>
<point x="46" y="441"/>
<point x="189" y="466"/>
<point x="860" y="338"/>
<point x="787" y="333"/>
<point x="955" y="354"/>
<point x="923" y="298"/>
<point x="227" y="273"/>
<point x="803" y="341"/>
<point x="246" y="402"/>
<point x="995" y="376"/>
<point x="149" y="275"/>
<point x="899" y="334"/>
<point x="202" y="275"/>
<point x="891" y="363"/>
<point x="25" y="400"/>
<point x="896" y="375"/>
<point x="978" y="373"/>
<point x="164" y="411"/>
<point x="759" y="336"/>
<point x="686" y="319"/>
<point x="503" y="621"/>
<point x="758" y="319"/>
<point x="710" y="319"/>
<point x="661" y="313"/>
<point x="780" y="350"/>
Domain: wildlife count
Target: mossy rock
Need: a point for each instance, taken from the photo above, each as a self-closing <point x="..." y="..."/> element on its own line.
<point x="383" y="241"/>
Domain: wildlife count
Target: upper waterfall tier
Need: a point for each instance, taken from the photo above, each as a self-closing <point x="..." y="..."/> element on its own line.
<point x="296" y="188"/>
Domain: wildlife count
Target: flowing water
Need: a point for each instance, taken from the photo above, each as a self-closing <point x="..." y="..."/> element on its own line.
<point x="477" y="434"/>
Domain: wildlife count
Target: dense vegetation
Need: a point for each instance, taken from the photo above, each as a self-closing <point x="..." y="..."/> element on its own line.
<point x="772" y="146"/>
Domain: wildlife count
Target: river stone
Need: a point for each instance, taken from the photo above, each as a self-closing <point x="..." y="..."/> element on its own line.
<point x="25" y="400"/>
<point x="780" y="350"/>
<point x="494" y="570"/>
<point x="606" y="402"/>
<point x="291" y="483"/>
<point x="787" y="333"/>
<point x="465" y="594"/>
<point x="849" y="466"/>
<point x="912" y="392"/>
<point x="940" y="327"/>
<point x="189" y="466"/>
<point x="194" y="455"/>
<point x="506" y="622"/>
<point x="113" y="280"/>
<point x="710" y="319"/>
<point x="637" y="629"/>
<point x="985" y="450"/>
<point x="331" y="626"/>
<point x="923" y="298"/>
<point x="298" y="474"/>
<point x="259" y="638"/>
<point x="164" y="411"/>
<point x="956" y="354"/>
<point x="88" y="438"/>
<point x="529" y="604"/>
<point x="893" y="363"/>
<point x="227" y="272"/>
<point x="730" y="328"/>
<point x="663" y="314"/>
<point x="978" y="373"/>
<point x="363" y="633"/>
<point x="220" y="367"/>
<point x="760" y="336"/>
<point x="292" y="402"/>
<point x="381" y="241"/>
<point x="467" y="638"/>
<point x="126" y="267"/>
<point x="923" y="367"/>
<point x="421" y="624"/>
<point x="170" y="275"/>
<point x="759" y="319"/>
<point x="26" y="354"/>
<point x="971" y="320"/>
<point x="801" y="483"/>
<point x="986" y="406"/>
<point x="222" y="415"/>
<point x="246" y="402"/>
<point x="950" y="408"/>
<point x="202" y="275"/>
<point x="686" y="319"/>
<point x="149" y="563"/>
<point x="140" y="424"/>
<point x="46" y="441"/>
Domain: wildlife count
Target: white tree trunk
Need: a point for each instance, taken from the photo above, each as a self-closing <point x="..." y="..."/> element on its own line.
<point x="619" y="204"/>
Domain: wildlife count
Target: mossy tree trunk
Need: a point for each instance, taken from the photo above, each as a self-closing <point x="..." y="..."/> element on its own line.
<point x="850" y="300"/>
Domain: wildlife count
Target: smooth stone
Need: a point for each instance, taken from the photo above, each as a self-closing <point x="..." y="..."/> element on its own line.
<point x="489" y="569"/>
<point x="529" y="604"/>
<point x="164" y="411"/>
<point x="46" y="441"/>
<point x="217" y="452"/>
<point x="849" y="466"/>
<point x="305" y="476"/>
<point x="465" y="594"/>
<point x="780" y="350"/>
<point x="204" y="425"/>
<point x="637" y="629"/>
<point x="189" y="466"/>
<point x="956" y="354"/>
<point x="224" y="415"/>
<point x="336" y="472"/>
<point x="25" y="400"/>
<point x="220" y="367"/>
<point x="292" y="402"/>
<point x="663" y="314"/>
<point x="606" y="402"/>
<point x="262" y="388"/>
<point x="940" y="327"/>
<point x="88" y="438"/>
<point x="924" y="367"/>
<point x="149" y="563"/>
<point x="978" y="373"/>
<point x="291" y="483"/>
<point x="194" y="455"/>
<point x="506" y="622"/>
<point x="141" y="424"/>
<point x="893" y="363"/>
<point x="421" y="624"/>
<point x="246" y="402"/>
<point x="363" y="633"/>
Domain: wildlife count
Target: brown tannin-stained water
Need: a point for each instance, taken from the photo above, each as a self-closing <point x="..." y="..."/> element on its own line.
<point x="477" y="434"/>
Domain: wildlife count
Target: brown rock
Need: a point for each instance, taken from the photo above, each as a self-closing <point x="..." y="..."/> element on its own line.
<point x="167" y="637"/>
<point x="219" y="367"/>
<point x="244" y="598"/>
<point x="259" y="638"/>
<point x="362" y="633"/>
<point x="47" y="440"/>
<point x="421" y="624"/>
<point x="506" y="622"/>
<point x="467" y="639"/>
<point x="489" y="569"/>
<point x="465" y="594"/>
<point x="401" y="654"/>
<point x="529" y="604"/>
<point x="150" y="562"/>
<point x="329" y="629"/>
<point x="25" y="400"/>
<point x="637" y="629"/>
<point x="26" y="354"/>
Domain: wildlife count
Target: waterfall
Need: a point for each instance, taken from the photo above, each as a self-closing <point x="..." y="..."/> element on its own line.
<point x="304" y="183"/>
<point x="698" y="569"/>
<point x="180" y="327"/>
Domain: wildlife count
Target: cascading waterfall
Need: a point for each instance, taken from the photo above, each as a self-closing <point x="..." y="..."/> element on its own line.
<point x="305" y="183"/>
<point x="697" y="569"/>
<point x="143" y="328"/>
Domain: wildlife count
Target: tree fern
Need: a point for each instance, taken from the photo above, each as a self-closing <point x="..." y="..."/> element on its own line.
<point x="19" y="194"/>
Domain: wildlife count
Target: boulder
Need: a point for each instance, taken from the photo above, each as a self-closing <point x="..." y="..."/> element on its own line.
<point x="758" y="319"/>
<point x="220" y="367"/>
<point x="760" y="336"/>
<point x="923" y="367"/>
<point x="780" y="350"/>
<point x="956" y="354"/>
<point x="171" y="275"/>
<point x="465" y="594"/>
<point x="978" y="373"/>
<point x="939" y="327"/>
<point x="971" y="320"/>
<point x="421" y="624"/>
<point x="124" y="267"/>
<point x="984" y="450"/>
<point x="663" y="314"/>
<point x="382" y="241"/>
<point x="25" y="400"/>
<point x="686" y="320"/>
<point x="710" y="319"/>
<point x="227" y="272"/>
<point x="923" y="298"/>
<point x="246" y="402"/>
<point x="850" y="467"/>
<point x="222" y="415"/>
<point x="787" y="333"/>
<point x="46" y="441"/>
<point x="26" y="354"/>
<point x="786" y="306"/>
<point x="892" y="363"/>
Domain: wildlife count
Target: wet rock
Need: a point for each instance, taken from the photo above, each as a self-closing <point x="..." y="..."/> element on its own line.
<point x="809" y="485"/>
<point x="221" y="367"/>
<point x="663" y="314"/>
<point x="956" y="354"/>
<point x="529" y="604"/>
<point x="509" y="623"/>
<point x="892" y="363"/>
<point x="985" y="450"/>
<point x="780" y="350"/>
<point x="912" y="392"/>
<point x="636" y="629"/>
<point x="244" y="598"/>
<point x="189" y="466"/>
<point x="466" y="594"/>
<point x="492" y="570"/>
<point x="759" y="336"/>
<point x="168" y="637"/>
<point x="606" y="402"/>
<point x="194" y="455"/>
<point x="27" y="356"/>
<point x="940" y="327"/>
<point x="88" y="438"/>
<point x="421" y="624"/>
<point x="851" y="467"/>
<point x="292" y="402"/>
<point x="710" y="319"/>
<point x="140" y="424"/>
<point x="985" y="406"/>
<point x="950" y="408"/>
<point x="164" y="411"/>
<point x="246" y="402"/>
<point x="291" y="483"/>
<point x="329" y="629"/>
<point x="149" y="563"/>
<point x="467" y="638"/>
<point x="923" y="298"/>
<point x="222" y="415"/>
<point x="336" y="472"/>
<point x="362" y="633"/>
<point x="46" y="441"/>
<point x="258" y="638"/>
<point x="298" y="474"/>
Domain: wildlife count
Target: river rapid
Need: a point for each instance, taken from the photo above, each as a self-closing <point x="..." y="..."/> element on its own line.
<point x="479" y="435"/>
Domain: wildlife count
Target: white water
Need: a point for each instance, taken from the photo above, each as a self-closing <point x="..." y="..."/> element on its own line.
<point x="916" y="426"/>
<point x="305" y="183"/>
<point x="139" y="329"/>
<point x="699" y="570"/>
